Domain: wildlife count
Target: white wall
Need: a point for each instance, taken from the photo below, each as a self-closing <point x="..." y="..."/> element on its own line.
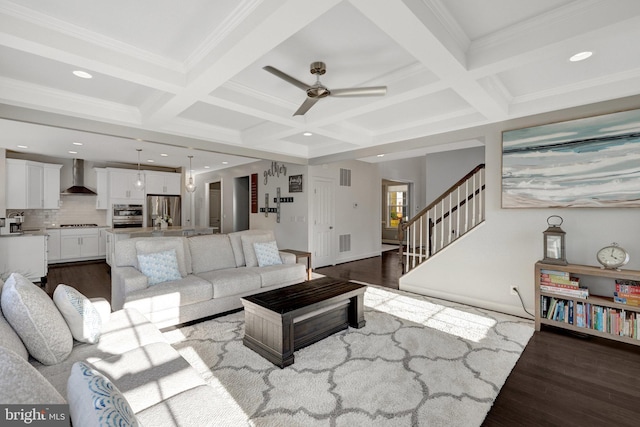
<point x="502" y="252"/>
<point x="445" y="169"/>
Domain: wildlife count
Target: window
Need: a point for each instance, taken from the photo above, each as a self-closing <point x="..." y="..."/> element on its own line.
<point x="397" y="204"/>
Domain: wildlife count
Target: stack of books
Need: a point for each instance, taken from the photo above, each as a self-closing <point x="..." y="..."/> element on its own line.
<point x="561" y="283"/>
<point x="627" y="292"/>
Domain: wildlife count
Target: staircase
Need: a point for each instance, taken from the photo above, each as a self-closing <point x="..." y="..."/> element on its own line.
<point x="452" y="215"/>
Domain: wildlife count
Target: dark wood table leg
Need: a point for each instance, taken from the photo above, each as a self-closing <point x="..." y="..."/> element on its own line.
<point x="356" y="311"/>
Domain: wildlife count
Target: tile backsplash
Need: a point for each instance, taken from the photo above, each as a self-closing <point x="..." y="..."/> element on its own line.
<point x="74" y="210"/>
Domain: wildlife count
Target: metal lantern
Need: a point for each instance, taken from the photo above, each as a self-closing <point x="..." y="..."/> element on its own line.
<point x="554" y="247"/>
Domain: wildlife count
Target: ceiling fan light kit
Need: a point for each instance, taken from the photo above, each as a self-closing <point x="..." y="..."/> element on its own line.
<point x="318" y="90"/>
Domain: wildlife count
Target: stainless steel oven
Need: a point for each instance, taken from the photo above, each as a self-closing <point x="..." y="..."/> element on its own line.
<point x="127" y="216"/>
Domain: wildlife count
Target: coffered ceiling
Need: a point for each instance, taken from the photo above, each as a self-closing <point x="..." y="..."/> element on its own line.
<point x="189" y="75"/>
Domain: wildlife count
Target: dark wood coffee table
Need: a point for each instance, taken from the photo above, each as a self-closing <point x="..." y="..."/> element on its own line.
<point x="280" y="321"/>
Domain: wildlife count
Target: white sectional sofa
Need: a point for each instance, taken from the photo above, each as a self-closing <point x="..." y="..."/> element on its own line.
<point x="213" y="272"/>
<point x="130" y="376"/>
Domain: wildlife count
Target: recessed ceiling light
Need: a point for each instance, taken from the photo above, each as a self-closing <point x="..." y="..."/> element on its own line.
<point x="580" y="56"/>
<point x="151" y="161"/>
<point x="307" y="134"/>
<point x="82" y="74"/>
<point x="72" y="152"/>
<point x="77" y="143"/>
<point x="225" y="163"/>
<point x="22" y="146"/>
<point x="164" y="154"/>
<point x="207" y="167"/>
<point x="380" y="155"/>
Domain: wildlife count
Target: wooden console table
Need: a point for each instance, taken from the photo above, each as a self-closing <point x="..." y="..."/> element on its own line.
<point x="280" y="321"/>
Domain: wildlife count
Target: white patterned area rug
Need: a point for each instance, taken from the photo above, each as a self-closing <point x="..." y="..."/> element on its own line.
<point x="418" y="362"/>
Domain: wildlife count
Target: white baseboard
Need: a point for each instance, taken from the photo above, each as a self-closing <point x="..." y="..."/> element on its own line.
<point x="462" y="299"/>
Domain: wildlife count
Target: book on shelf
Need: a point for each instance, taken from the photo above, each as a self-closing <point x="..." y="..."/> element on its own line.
<point x="628" y="286"/>
<point x="555" y="272"/>
<point x="622" y="298"/>
<point x="564" y="291"/>
<point x="566" y="281"/>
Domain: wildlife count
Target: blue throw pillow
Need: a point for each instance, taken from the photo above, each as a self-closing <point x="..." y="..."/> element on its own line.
<point x="267" y="254"/>
<point x="160" y="266"/>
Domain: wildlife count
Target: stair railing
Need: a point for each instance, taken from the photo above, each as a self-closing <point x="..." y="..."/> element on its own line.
<point x="456" y="212"/>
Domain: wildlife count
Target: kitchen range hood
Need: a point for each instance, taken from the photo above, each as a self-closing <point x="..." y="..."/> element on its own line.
<point x="78" y="180"/>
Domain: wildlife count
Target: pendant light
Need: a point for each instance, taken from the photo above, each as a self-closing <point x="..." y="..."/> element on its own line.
<point x="191" y="187"/>
<point x="139" y="184"/>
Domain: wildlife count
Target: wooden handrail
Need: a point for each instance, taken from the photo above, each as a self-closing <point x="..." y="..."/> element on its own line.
<point x="404" y="225"/>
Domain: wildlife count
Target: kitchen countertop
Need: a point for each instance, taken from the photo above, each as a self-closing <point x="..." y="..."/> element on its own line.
<point x="134" y="230"/>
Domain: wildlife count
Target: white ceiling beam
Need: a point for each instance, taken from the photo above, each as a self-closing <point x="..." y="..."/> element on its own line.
<point x="270" y="24"/>
<point x="411" y="24"/>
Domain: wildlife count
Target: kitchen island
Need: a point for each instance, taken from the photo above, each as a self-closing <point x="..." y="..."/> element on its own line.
<point x="24" y="253"/>
<point x="117" y="234"/>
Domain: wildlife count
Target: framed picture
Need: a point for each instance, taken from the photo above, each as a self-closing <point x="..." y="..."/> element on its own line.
<point x="592" y="162"/>
<point x="295" y="184"/>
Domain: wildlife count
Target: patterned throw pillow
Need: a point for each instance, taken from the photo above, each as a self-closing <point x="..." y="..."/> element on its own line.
<point x="96" y="401"/>
<point x="267" y="253"/>
<point x="36" y="319"/>
<point x="159" y="266"/>
<point x="82" y="317"/>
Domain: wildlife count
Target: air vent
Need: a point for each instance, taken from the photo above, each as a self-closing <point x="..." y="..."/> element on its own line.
<point x="345" y="242"/>
<point x="345" y="177"/>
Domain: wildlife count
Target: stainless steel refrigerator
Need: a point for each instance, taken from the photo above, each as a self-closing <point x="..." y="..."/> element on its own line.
<point x="163" y="206"/>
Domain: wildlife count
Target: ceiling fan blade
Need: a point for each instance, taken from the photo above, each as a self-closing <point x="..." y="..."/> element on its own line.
<point x="286" y="77"/>
<point x="306" y="105"/>
<point x="360" y="91"/>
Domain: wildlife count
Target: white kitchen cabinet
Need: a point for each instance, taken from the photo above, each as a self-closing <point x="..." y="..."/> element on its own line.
<point x="79" y="243"/>
<point x="102" y="241"/>
<point x="32" y="185"/>
<point x="32" y="266"/>
<point x="163" y="183"/>
<point x="121" y="185"/>
<point x="51" y="186"/>
<point x="53" y="246"/>
<point x="102" y="188"/>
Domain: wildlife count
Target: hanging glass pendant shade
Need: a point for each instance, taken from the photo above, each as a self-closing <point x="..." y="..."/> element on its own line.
<point x="139" y="184"/>
<point x="191" y="187"/>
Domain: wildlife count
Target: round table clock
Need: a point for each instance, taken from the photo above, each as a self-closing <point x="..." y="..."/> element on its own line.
<point x="613" y="256"/>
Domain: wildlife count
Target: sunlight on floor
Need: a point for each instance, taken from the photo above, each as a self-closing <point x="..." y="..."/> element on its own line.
<point x="472" y="327"/>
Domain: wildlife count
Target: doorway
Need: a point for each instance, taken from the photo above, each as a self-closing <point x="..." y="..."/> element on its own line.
<point x="241" y="203"/>
<point x="215" y="206"/>
<point x="395" y="208"/>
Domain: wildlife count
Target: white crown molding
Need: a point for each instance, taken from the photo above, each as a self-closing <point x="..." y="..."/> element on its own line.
<point x="16" y="92"/>
<point x="71" y="30"/>
<point x="449" y="23"/>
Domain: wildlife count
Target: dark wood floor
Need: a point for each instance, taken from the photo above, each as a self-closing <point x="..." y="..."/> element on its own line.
<point x="561" y="379"/>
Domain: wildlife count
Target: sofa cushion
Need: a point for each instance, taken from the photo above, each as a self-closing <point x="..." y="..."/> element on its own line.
<point x="95" y="401"/>
<point x="172" y="294"/>
<point x="233" y="281"/>
<point x="279" y="274"/>
<point x="21" y="383"/>
<point x="159" y="244"/>
<point x="249" y="251"/>
<point x="34" y="316"/>
<point x="83" y="319"/>
<point x="210" y="252"/>
<point x="236" y="243"/>
<point x="149" y="374"/>
<point x="267" y="254"/>
<point x="159" y="267"/>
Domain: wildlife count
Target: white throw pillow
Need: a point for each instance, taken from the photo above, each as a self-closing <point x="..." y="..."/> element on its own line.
<point x="95" y="401"/>
<point x="82" y="317"/>
<point x="159" y="266"/>
<point x="267" y="254"/>
<point x="248" y="249"/>
<point x="34" y="316"/>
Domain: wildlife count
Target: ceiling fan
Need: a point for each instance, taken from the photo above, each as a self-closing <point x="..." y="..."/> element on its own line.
<point x="318" y="90"/>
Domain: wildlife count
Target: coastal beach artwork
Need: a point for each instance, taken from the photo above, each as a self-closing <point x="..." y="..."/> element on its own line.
<point x="591" y="162"/>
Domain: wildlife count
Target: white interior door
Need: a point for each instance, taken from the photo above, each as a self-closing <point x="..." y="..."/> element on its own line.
<point x="323" y="222"/>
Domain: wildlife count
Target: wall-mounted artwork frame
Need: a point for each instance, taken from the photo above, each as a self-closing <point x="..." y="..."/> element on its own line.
<point x="591" y="162"/>
<point x="295" y="184"/>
